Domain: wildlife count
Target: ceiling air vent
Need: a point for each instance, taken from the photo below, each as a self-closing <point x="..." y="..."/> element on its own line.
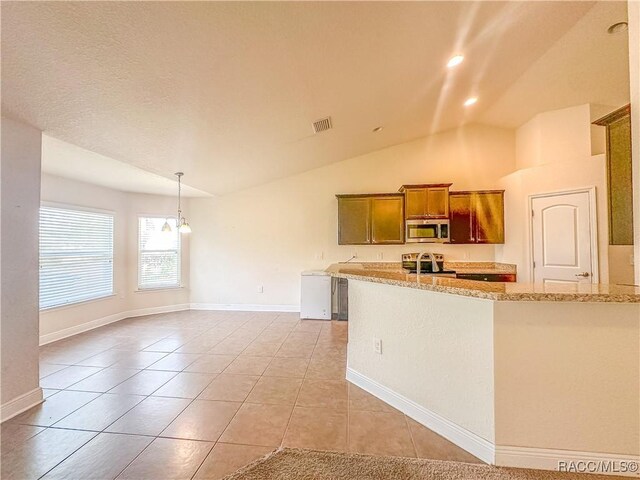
<point x="322" y="125"/>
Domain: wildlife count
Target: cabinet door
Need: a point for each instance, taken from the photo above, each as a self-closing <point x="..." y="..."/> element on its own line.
<point x="489" y="217"/>
<point x="416" y="202"/>
<point x="354" y="224"/>
<point x="438" y="202"/>
<point x="461" y="228"/>
<point x="387" y="220"/>
<point x="620" y="182"/>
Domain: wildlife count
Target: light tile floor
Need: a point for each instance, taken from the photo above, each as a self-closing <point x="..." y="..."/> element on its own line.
<point x="197" y="395"/>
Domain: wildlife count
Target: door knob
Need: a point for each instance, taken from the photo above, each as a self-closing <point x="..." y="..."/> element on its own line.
<point x="583" y="274"/>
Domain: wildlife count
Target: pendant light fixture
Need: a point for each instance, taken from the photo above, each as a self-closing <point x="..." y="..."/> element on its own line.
<point x="183" y="225"/>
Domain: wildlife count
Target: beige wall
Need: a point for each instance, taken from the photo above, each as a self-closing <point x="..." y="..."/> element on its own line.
<point x="567" y="376"/>
<point x="540" y="381"/>
<point x="554" y="137"/>
<point x="265" y="236"/>
<point x="20" y="200"/>
<point x="437" y="350"/>
<point x="553" y="153"/>
<point x="621" y="261"/>
<point x="126" y="208"/>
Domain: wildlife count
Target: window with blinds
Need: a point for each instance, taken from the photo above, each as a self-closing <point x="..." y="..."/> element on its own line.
<point x="76" y="256"/>
<point x="158" y="253"/>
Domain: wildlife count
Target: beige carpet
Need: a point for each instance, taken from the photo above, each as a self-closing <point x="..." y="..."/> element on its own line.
<point x="293" y="463"/>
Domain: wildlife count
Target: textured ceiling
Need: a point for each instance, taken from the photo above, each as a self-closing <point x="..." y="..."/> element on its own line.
<point x="227" y="92"/>
<point x="586" y="65"/>
<point x="70" y="161"/>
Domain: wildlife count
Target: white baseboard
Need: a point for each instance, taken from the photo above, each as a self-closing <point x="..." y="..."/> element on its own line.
<point x="20" y="404"/>
<point x="245" y="307"/>
<point x="99" y="322"/>
<point x="504" y="456"/>
<point x="549" y="459"/>
<point x="469" y="441"/>
<point x="140" y="312"/>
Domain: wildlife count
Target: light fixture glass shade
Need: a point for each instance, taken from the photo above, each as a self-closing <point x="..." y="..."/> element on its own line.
<point x="184" y="226"/>
<point x="166" y="227"/>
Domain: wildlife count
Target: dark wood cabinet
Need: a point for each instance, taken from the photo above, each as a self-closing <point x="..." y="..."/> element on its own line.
<point x="488" y="277"/>
<point x="426" y="200"/>
<point x="477" y="217"/>
<point x="489" y="217"/>
<point x="461" y="218"/>
<point x="387" y="219"/>
<point x="619" y="175"/>
<point x="371" y="219"/>
<point x="354" y="220"/>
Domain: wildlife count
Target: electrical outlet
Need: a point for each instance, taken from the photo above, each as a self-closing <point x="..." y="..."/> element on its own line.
<point x="377" y="345"/>
<point x="631" y="260"/>
<point x="354" y="255"/>
<point x="319" y="255"/>
<point x="380" y="256"/>
<point x="260" y="289"/>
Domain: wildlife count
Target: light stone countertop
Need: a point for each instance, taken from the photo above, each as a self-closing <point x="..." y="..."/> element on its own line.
<point x="391" y="274"/>
<point x="481" y="267"/>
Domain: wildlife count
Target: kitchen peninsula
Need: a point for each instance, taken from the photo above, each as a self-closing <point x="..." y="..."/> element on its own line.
<point x="517" y="374"/>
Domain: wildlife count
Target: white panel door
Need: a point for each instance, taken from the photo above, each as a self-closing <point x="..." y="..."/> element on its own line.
<point x="561" y="227"/>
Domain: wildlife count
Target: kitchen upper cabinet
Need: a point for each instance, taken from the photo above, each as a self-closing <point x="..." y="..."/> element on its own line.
<point x="416" y="202"/>
<point x="387" y="219"/>
<point x="370" y="219"/>
<point x="489" y="217"/>
<point x="354" y="220"/>
<point x="461" y="218"/>
<point x="619" y="175"/>
<point x="477" y="217"/>
<point x="426" y="201"/>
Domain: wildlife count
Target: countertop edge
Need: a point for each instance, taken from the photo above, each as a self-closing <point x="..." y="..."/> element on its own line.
<point x="498" y="296"/>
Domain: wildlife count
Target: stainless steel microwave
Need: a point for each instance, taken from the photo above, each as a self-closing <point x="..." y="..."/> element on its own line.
<point x="427" y="231"/>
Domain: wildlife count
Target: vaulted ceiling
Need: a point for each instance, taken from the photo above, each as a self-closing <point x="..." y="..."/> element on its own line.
<point x="227" y="91"/>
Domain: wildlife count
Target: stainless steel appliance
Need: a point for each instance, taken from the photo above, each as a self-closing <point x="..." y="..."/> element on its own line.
<point x="431" y="263"/>
<point x="427" y="231"/>
<point x="340" y="300"/>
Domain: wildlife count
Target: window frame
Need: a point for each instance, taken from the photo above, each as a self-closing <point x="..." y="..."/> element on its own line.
<point x="80" y="208"/>
<point x="140" y="287"/>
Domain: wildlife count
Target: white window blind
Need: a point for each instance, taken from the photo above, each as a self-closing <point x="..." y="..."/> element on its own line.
<point x="159" y="253"/>
<point x="76" y="256"/>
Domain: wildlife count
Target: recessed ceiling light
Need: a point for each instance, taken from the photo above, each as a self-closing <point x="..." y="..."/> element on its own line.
<point x="470" y="101"/>
<point x="618" y="28"/>
<point x="456" y="60"/>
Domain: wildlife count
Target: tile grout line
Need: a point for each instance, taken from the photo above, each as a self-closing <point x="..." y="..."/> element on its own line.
<point x="66" y="457"/>
<point x="123" y="414"/>
<point x="251" y="390"/>
<point x="231" y="332"/>
<point x="413" y="442"/>
<point x="295" y="403"/>
<point x="234" y="415"/>
<point x="103" y="431"/>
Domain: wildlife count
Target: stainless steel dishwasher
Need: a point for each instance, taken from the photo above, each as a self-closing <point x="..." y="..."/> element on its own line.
<point x="340" y="299"/>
